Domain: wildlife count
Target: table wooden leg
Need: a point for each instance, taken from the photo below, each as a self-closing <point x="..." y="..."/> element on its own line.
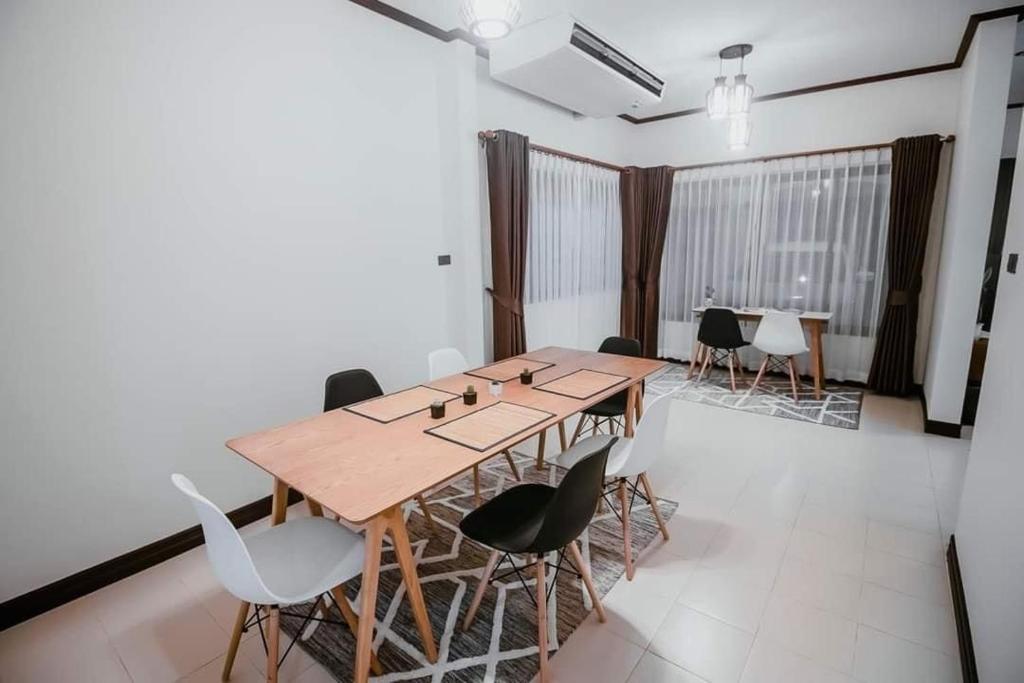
<point x="542" y="620"/>
<point x="315" y="508"/>
<point x="368" y="597"/>
<point x="341" y="600"/>
<point x="400" y="537"/>
<point x="476" y="485"/>
<point x="630" y="417"/>
<point x="576" y="432"/>
<point x="279" y="503"/>
<point x="512" y="464"/>
<point x="561" y="435"/>
<point x="817" y="362"/>
<point x="541" y="443"/>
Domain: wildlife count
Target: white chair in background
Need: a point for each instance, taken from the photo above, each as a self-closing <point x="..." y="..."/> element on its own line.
<point x="287" y="564"/>
<point x="630" y="458"/>
<point x="780" y="336"/>
<point x="449" y="361"/>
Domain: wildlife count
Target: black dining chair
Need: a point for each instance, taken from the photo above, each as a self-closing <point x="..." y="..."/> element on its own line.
<point x="536" y="519"/>
<point x="352" y="386"/>
<point x="611" y="411"/>
<point x="718" y="338"/>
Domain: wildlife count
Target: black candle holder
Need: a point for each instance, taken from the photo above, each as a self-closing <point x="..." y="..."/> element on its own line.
<point x="526" y="376"/>
<point x="469" y="395"/>
<point x="437" y="409"/>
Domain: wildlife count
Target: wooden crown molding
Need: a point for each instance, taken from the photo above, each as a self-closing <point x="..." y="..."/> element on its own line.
<point x="965" y="44"/>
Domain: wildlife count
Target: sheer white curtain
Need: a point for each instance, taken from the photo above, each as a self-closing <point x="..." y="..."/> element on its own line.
<point x="804" y="233"/>
<point x="573" y="254"/>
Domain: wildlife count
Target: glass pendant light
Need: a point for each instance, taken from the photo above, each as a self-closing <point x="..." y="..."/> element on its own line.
<point x="739" y="132"/>
<point x="718" y="99"/>
<point x="490" y="19"/>
<point x="740" y="96"/>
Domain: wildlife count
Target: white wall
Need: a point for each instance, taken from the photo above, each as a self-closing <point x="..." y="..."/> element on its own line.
<point x="989" y="542"/>
<point x="980" y="128"/>
<point x="864" y="115"/>
<point x="206" y="207"/>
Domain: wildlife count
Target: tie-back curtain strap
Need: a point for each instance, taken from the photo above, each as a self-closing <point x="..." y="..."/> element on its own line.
<point x="508" y="303"/>
<point x="902" y="297"/>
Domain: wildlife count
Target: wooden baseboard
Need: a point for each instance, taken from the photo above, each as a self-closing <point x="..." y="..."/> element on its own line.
<point x="34" y="603"/>
<point x="968" y="665"/>
<point x="950" y="429"/>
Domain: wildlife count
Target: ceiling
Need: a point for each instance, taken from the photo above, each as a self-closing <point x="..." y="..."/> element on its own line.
<point x="797" y="43"/>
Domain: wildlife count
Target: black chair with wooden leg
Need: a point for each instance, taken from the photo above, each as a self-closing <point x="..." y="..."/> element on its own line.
<point x="352" y="386"/>
<point x="611" y="411"/>
<point x="537" y="519"/>
<point x="719" y="338"/>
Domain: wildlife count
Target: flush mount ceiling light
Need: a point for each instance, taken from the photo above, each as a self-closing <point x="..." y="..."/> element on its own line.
<point x="490" y="19"/>
<point x="732" y="101"/>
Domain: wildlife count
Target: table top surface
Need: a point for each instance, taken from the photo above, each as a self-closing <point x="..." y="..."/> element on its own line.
<point x="759" y="312"/>
<point x="359" y="467"/>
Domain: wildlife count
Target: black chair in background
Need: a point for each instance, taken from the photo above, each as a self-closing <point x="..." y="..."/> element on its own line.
<point x="718" y="338"/>
<point x="611" y="410"/>
<point x="352" y="386"/>
<point x="536" y="519"/>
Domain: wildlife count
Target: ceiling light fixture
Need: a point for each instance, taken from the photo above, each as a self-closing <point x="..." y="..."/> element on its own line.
<point x="733" y="101"/>
<point x="739" y="132"/>
<point x="490" y="19"/>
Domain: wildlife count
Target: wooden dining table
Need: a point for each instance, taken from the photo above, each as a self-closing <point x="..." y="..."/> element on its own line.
<point x="813" y="321"/>
<point x="365" y="468"/>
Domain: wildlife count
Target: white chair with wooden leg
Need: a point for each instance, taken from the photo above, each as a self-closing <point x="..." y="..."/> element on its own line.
<point x="630" y="459"/>
<point x="289" y="564"/>
<point x="450" y="361"/>
<point x="780" y="336"/>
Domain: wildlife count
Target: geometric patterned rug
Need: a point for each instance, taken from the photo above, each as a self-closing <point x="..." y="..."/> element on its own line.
<point x="837" y="407"/>
<point x="502" y="643"/>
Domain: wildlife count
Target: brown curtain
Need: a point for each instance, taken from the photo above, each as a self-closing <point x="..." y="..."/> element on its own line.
<point x="915" y="168"/>
<point x="646" y="195"/>
<point x="508" y="188"/>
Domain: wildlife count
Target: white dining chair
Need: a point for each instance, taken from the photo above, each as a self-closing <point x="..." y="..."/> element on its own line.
<point x="450" y="361"/>
<point x="630" y="459"/>
<point x="780" y="337"/>
<point x="288" y="564"/>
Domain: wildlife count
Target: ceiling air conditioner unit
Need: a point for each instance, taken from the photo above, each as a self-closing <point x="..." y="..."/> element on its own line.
<point x="560" y="60"/>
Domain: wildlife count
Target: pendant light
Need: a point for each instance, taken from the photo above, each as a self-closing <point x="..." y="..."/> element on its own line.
<point x="718" y="96"/>
<point x="739" y="132"/>
<point x="733" y="101"/>
<point x="490" y="19"/>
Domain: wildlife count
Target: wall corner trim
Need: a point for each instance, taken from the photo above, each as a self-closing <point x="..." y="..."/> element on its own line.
<point x="950" y="429"/>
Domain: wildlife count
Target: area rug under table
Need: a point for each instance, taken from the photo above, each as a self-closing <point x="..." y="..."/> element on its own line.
<point x="502" y="644"/>
<point x="837" y="407"/>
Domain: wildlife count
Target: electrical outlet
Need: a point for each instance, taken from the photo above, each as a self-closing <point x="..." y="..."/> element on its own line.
<point x="1011" y="263"/>
<point x="444" y="260"/>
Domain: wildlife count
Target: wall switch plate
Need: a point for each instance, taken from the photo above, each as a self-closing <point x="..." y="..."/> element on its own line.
<point x="1011" y="263"/>
<point x="444" y="260"/>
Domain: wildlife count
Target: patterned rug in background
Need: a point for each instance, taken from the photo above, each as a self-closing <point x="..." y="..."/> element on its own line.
<point x="837" y="407"/>
<point x="502" y="644"/>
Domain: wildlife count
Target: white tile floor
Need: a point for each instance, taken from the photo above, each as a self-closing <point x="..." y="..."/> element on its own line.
<point x="799" y="553"/>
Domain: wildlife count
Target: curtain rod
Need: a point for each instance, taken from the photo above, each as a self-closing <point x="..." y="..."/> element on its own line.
<point x="813" y="152"/>
<point x="490" y="135"/>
